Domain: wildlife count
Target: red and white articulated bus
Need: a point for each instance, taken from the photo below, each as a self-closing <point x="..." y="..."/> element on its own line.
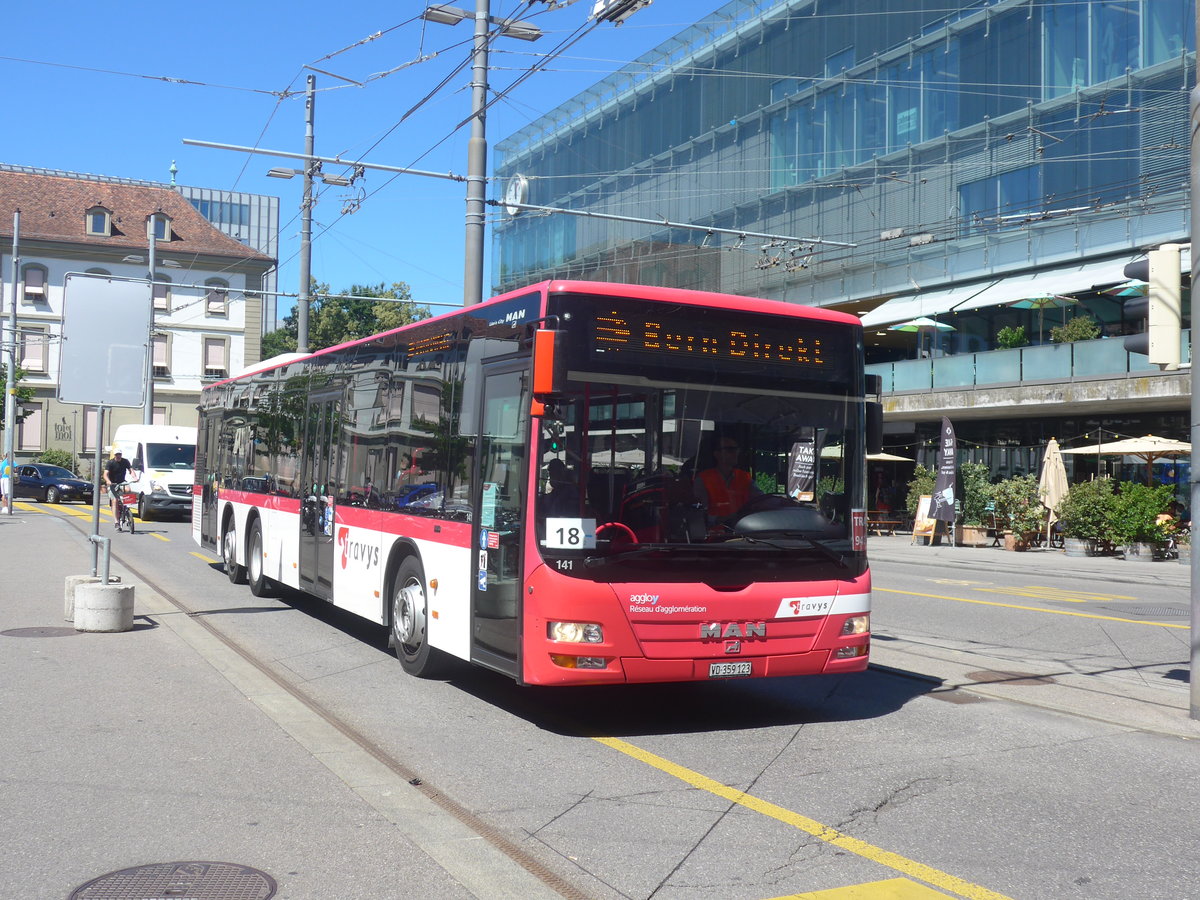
<point x="576" y="483"/>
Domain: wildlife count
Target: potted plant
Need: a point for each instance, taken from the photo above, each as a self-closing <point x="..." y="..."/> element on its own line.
<point x="1183" y="547"/>
<point x="1019" y="506"/>
<point x="1135" y="520"/>
<point x="1084" y="516"/>
<point x="977" y="491"/>
<point x="1079" y="328"/>
<point x="1012" y="336"/>
<point x="918" y="486"/>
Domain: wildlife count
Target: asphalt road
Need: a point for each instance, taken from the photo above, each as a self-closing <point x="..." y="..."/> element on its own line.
<point x="1019" y="735"/>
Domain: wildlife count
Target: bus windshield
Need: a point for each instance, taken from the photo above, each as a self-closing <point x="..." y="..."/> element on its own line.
<point x="673" y="462"/>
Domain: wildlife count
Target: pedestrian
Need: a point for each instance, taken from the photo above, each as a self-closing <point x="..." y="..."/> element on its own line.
<point x="5" y="484"/>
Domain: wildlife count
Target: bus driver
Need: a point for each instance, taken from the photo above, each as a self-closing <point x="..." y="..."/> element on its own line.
<point x="724" y="488"/>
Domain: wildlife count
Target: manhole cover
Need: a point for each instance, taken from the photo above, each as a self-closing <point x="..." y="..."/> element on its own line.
<point x="180" y="881"/>
<point x="954" y="695"/>
<point x="43" y="631"/>
<point x="986" y="677"/>
<point x="1159" y="612"/>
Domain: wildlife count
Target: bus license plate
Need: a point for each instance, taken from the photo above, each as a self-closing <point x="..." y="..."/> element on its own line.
<point x="728" y="669"/>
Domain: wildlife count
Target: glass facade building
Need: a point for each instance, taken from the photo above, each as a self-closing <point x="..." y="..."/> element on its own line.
<point x="907" y="158"/>
<point x="1001" y="137"/>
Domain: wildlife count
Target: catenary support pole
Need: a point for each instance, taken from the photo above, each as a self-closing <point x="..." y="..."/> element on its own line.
<point x="477" y="160"/>
<point x="310" y="102"/>
<point x="148" y="410"/>
<point x="1194" y="634"/>
<point x="11" y="343"/>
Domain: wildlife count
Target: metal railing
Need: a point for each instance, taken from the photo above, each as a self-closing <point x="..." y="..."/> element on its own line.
<point x="1101" y="358"/>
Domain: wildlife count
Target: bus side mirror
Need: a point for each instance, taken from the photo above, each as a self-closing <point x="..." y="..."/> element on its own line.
<point x="874" y="427"/>
<point x="549" y="369"/>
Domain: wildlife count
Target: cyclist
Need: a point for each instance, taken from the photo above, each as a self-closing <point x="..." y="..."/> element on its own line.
<point x="116" y="471"/>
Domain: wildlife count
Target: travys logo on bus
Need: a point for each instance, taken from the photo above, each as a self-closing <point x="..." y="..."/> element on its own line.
<point x="356" y="551"/>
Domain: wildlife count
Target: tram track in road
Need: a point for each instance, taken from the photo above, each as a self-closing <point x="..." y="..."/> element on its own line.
<point x="390" y="786"/>
<point x="356" y="754"/>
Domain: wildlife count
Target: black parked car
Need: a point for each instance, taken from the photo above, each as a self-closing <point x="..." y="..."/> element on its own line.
<point x="51" y="483"/>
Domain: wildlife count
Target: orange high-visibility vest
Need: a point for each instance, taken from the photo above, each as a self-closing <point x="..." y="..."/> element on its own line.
<point x="726" y="499"/>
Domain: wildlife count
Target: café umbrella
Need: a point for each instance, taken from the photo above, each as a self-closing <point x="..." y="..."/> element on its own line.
<point x="1052" y="486"/>
<point x="1043" y="302"/>
<point x="921" y="325"/>
<point x="1133" y="288"/>
<point x="1150" y="447"/>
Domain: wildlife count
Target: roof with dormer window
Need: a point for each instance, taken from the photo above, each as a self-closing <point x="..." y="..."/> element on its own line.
<point x="53" y="209"/>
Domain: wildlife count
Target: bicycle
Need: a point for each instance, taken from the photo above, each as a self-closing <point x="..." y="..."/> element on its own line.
<point x="124" y="499"/>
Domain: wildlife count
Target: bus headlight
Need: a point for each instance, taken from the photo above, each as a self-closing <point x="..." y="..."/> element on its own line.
<point x="575" y="632"/>
<point x="856" y="625"/>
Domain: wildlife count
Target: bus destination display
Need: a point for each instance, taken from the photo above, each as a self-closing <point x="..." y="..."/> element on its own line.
<point x="700" y="336"/>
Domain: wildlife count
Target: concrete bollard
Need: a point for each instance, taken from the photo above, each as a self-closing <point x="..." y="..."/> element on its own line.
<point x="72" y="582"/>
<point x="104" y="607"/>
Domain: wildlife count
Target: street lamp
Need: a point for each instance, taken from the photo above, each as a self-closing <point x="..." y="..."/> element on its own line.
<point x="477" y="147"/>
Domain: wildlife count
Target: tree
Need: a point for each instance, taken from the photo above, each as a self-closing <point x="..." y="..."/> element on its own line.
<point x="22" y="393"/>
<point x="55" y="457"/>
<point x="335" y="320"/>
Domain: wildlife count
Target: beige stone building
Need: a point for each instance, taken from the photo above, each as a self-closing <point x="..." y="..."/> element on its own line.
<point x="206" y="296"/>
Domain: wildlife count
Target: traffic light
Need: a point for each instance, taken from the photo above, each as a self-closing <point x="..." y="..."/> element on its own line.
<point x="1161" y="308"/>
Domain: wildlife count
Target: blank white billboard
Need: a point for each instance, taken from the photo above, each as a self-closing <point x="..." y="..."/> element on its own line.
<point x="105" y="331"/>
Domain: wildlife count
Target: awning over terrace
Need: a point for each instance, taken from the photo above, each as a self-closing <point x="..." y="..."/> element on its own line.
<point x="1065" y="280"/>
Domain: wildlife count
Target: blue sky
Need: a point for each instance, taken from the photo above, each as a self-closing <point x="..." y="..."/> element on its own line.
<point x="114" y="90"/>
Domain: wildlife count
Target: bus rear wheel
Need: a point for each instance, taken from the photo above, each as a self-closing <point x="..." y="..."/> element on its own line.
<point x="236" y="573"/>
<point x="410" y="621"/>
<point x="260" y="584"/>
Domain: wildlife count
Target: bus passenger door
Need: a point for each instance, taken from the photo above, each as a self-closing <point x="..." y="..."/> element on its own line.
<point x="205" y="520"/>
<point x="318" y="490"/>
<point x="498" y="500"/>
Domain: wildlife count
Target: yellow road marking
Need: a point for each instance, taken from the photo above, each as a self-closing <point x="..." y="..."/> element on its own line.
<point x="49" y="510"/>
<point x="207" y="559"/>
<point x="891" y="889"/>
<point x="895" y="861"/>
<point x="1049" y="612"/>
<point x="155" y="534"/>
<point x="1039" y="592"/>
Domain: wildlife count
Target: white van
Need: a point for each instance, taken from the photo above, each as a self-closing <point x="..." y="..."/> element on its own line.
<point x="165" y="455"/>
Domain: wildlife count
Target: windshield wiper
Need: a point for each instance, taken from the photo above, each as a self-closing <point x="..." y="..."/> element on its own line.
<point x="591" y="562"/>
<point x="832" y="555"/>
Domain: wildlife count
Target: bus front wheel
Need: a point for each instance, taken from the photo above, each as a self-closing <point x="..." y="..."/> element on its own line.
<point x="410" y="621"/>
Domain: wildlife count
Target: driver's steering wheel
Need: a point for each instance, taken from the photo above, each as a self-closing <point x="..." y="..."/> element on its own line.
<point x="622" y="527"/>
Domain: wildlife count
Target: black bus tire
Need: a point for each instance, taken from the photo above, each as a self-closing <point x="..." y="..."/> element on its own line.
<point x="236" y="573"/>
<point x="260" y="584"/>
<point x="410" y="621"/>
